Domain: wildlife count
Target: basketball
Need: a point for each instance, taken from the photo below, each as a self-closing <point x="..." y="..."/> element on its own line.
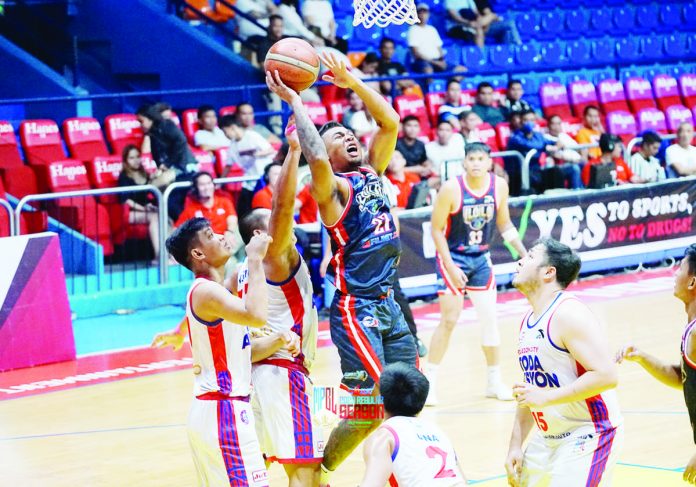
<point x="295" y="60"/>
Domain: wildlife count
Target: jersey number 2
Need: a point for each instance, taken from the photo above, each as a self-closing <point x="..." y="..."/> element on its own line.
<point x="443" y="473"/>
<point x="381" y="223"/>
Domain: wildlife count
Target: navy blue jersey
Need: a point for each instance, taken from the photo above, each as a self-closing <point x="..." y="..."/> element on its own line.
<point x="470" y="227"/>
<point x="365" y="244"/>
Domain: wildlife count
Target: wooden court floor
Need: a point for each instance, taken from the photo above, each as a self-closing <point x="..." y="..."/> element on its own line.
<point x="132" y="432"/>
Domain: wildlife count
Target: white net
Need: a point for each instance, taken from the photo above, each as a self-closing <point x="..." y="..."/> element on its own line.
<point x="384" y="12"/>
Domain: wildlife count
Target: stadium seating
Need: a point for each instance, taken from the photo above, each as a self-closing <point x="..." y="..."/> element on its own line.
<point x="651" y="119"/>
<point x="123" y="129"/>
<point x="41" y="141"/>
<point x="611" y="96"/>
<point x="84" y="138"/>
<point x="623" y="124"/>
<point x="675" y="115"/>
<point x="582" y="94"/>
<point x="639" y="94"/>
<point x="554" y="100"/>
<point x="687" y="88"/>
<point x="9" y="153"/>
<point x="206" y="161"/>
<point x="189" y="123"/>
<point x="411" y="105"/>
<point x="228" y="110"/>
<point x="317" y="113"/>
<point x="666" y="91"/>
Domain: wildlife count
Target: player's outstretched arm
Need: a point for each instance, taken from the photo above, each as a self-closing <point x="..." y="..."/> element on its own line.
<point x="384" y="141"/>
<point x="445" y="203"/>
<point x="666" y="373"/>
<point x="575" y="328"/>
<point x="213" y="302"/>
<point x="504" y="223"/>
<point x="283" y="212"/>
<point x="377" y="455"/>
<point x="520" y="430"/>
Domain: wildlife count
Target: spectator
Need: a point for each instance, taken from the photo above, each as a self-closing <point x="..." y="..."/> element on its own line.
<point x="484" y="105"/>
<point x="513" y="102"/>
<point x="209" y="136"/>
<point x="164" y="109"/>
<point x="142" y="209"/>
<point x="590" y="132"/>
<point x="251" y="152"/>
<point x="403" y="181"/>
<point x="261" y="10"/>
<point x="469" y="122"/>
<point x="264" y="197"/>
<point x="563" y="141"/>
<point x="308" y="208"/>
<point x="170" y="151"/>
<point x="356" y="118"/>
<point x="523" y="140"/>
<point x="274" y="33"/>
<point x="294" y="26"/>
<point x="388" y="67"/>
<point x="446" y="152"/>
<point x="319" y="16"/>
<point x="245" y="116"/>
<point x="681" y="157"/>
<point x="426" y="45"/>
<point x="494" y="26"/>
<point x="453" y="107"/>
<point x="645" y="166"/>
<point x="612" y="152"/>
<point x="462" y="22"/>
<point x="412" y="149"/>
<point x="368" y="69"/>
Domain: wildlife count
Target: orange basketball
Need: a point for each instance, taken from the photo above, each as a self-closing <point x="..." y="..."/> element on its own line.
<point x="295" y="60"/>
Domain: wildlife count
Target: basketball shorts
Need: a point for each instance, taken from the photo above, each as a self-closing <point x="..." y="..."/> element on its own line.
<point x="478" y="269"/>
<point x="282" y="404"/>
<point x="223" y="441"/>
<point x="585" y="458"/>
<point x="368" y="333"/>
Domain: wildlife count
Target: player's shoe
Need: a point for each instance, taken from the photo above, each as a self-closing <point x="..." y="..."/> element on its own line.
<point x="499" y="391"/>
<point x="422" y="349"/>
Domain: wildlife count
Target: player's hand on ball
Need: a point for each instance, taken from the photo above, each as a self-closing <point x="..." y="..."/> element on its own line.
<point x="168" y="339"/>
<point x="291" y="134"/>
<point x="513" y="467"/>
<point x="340" y="76"/>
<point x="291" y="341"/>
<point x="630" y="353"/>
<point x="457" y="276"/>
<point x="276" y="85"/>
<point x="258" y="246"/>
<point x="690" y="471"/>
<point x="530" y="396"/>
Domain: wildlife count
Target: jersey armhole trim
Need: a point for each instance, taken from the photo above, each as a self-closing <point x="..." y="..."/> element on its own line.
<point x="687" y="337"/>
<point x="396" y="440"/>
<point x="548" y="330"/>
<point x="345" y="211"/>
<point x="198" y="318"/>
<point x="292" y="275"/>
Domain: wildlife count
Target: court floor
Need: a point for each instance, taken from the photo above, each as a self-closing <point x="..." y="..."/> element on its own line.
<point x="132" y="431"/>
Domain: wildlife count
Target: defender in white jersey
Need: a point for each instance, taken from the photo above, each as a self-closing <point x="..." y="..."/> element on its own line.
<point x="569" y="381"/>
<point x="407" y="451"/>
<point x="221" y="423"/>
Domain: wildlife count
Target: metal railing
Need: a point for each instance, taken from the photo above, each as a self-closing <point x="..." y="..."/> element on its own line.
<point x="10" y="216"/>
<point x="637" y="140"/>
<point x="530" y="155"/>
<point x="444" y="168"/>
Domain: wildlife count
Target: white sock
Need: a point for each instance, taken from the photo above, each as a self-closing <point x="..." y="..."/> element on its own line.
<point x="430" y="370"/>
<point x="494" y="374"/>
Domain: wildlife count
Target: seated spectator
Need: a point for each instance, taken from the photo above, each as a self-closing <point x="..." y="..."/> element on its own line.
<point x="264" y="197"/>
<point x="368" y="69"/>
<point x="388" y="67"/>
<point x="484" y="107"/>
<point x="164" y="109"/>
<point x="260" y="10"/>
<point x="446" y="152"/>
<point x="462" y="22"/>
<point x="513" y="102"/>
<point x="245" y="117"/>
<point x="496" y="27"/>
<point x="612" y="152"/>
<point x="644" y="165"/>
<point x="590" y="132"/>
<point x="563" y="141"/>
<point x="413" y="149"/>
<point x="274" y="33"/>
<point x="209" y="136"/>
<point x="293" y="24"/>
<point x="356" y="118"/>
<point x="403" y="181"/>
<point x="251" y="152"/>
<point x="469" y="122"/>
<point x="319" y="17"/>
<point x="308" y="208"/>
<point x="426" y="45"/>
<point x="681" y="157"/>
<point x="453" y="108"/>
<point x="142" y="205"/>
<point x="523" y="140"/>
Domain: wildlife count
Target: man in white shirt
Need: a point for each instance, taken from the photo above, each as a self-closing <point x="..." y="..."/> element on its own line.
<point x="319" y="17"/>
<point x="426" y="44"/>
<point x="209" y="137"/>
<point x="294" y="26"/>
<point x="446" y="152"/>
<point x="470" y="122"/>
<point x="645" y="166"/>
<point x="563" y="142"/>
<point x="260" y="10"/>
<point x="453" y="108"/>
<point x="682" y="155"/>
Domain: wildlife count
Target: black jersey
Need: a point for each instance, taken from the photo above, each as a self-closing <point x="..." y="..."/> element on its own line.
<point x="688" y="373"/>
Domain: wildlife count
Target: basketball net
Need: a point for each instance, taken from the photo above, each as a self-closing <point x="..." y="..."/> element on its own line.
<point x="384" y="12"/>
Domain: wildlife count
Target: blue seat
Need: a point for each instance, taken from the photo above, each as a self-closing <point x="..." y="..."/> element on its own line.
<point x="630" y="72"/>
<point x="577" y="23"/>
<point x="344" y="28"/>
<point x="651" y="48"/>
<point x="604" y="50"/>
<point x="437" y="86"/>
<point x="533" y="81"/>
<point x="529" y="56"/>
<point x="453" y="55"/>
<point x="600" y="21"/>
<point x="553" y="54"/>
<point x="675" y="45"/>
<point x="472" y="82"/>
<point x="398" y="32"/>
<point x="401" y="55"/>
<point x="502" y="56"/>
<point x="691" y="44"/>
<point x="552" y="24"/>
<point x="647" y="17"/>
<point x="627" y="49"/>
<point x="365" y="38"/>
<point x="670" y="16"/>
<point x="624" y="19"/>
<point x="527" y="25"/>
<point x="473" y="58"/>
<point x="598" y="75"/>
<point x="579" y="53"/>
<point x="689" y="16"/>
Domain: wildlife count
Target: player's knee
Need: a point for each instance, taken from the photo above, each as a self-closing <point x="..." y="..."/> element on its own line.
<point x="447" y="323"/>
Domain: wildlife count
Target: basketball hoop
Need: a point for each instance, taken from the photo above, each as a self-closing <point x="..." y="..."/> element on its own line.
<point x="384" y="12"/>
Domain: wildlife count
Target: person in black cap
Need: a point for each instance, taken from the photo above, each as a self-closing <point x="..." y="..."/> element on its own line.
<point x="612" y="151"/>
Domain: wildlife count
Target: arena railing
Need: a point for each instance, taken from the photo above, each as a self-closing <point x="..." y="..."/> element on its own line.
<point x="444" y="169"/>
<point x="530" y="155"/>
<point x="637" y="140"/>
<point x="83" y="256"/>
<point x="10" y="217"/>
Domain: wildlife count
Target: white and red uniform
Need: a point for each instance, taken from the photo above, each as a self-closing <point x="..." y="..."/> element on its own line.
<point x="282" y="396"/>
<point x="577" y="443"/>
<point x="221" y="427"/>
<point x="422" y="456"/>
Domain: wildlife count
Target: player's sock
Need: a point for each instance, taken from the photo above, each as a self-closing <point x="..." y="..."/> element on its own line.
<point x="494" y="374"/>
<point x="430" y="370"/>
<point x="324" y="477"/>
<point x="495" y="387"/>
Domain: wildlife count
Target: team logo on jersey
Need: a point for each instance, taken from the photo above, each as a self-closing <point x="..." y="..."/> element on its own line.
<point x="244" y="417"/>
<point x="259" y="476"/>
<point x="476" y="216"/>
<point x="371" y="197"/>
<point x="540" y="334"/>
<point x="370" y="322"/>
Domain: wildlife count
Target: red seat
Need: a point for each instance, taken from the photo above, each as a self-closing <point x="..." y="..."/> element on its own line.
<point x="666" y="91"/>
<point x="9" y="153"/>
<point x="41" y="141"/>
<point x="488" y="136"/>
<point x="433" y="102"/>
<point x="317" y="113"/>
<point x="639" y="94"/>
<point x="582" y="94"/>
<point x="612" y="96"/>
<point x="676" y="115"/>
<point x="84" y="138"/>
<point x="228" y="110"/>
<point x="503" y="131"/>
<point x="571" y="126"/>
<point x="412" y="105"/>
<point x="206" y="161"/>
<point x="623" y="124"/>
<point x="335" y="110"/>
<point x="103" y="172"/>
<point x="554" y="100"/>
<point x="687" y="88"/>
<point x="121" y="130"/>
<point x="651" y="119"/>
<point x="82" y="213"/>
<point x="175" y="118"/>
<point x="189" y="123"/>
<point x="4" y="216"/>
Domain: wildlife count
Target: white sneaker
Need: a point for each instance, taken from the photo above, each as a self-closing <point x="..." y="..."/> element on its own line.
<point x="499" y="391"/>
